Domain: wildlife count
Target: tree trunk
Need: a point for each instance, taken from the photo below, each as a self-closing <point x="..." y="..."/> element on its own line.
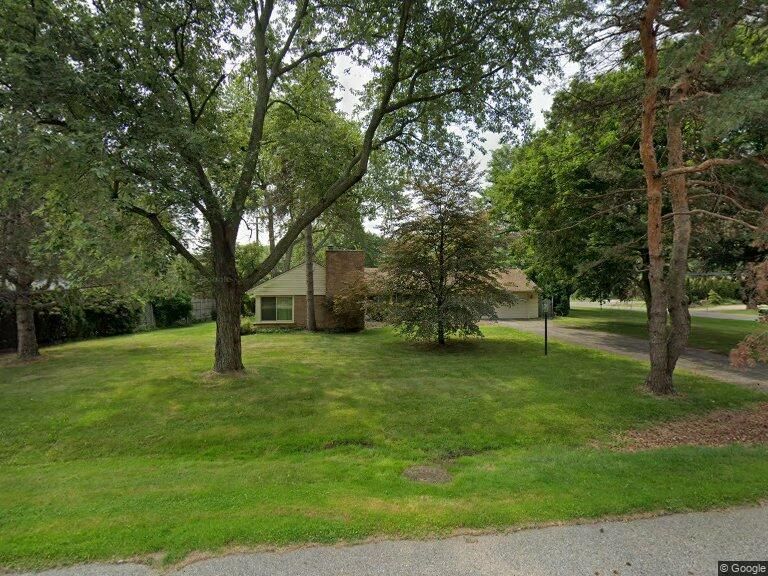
<point x="271" y="227"/>
<point x="679" y="314"/>
<point x="26" y="336"/>
<point x="658" y="380"/>
<point x="440" y="333"/>
<point x="229" y="298"/>
<point x="310" y="264"/>
<point x="645" y="284"/>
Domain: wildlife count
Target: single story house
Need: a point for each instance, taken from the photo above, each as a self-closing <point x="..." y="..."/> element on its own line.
<point x="526" y="294"/>
<point x="514" y="280"/>
<point x="282" y="300"/>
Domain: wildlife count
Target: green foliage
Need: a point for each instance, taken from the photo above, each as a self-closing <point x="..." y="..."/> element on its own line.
<point x="348" y="305"/>
<point x="714" y="299"/>
<point x="172" y="310"/>
<point x="438" y="269"/>
<point x="576" y="219"/>
<point x="698" y="288"/>
<point x="107" y="313"/>
<point x="76" y="315"/>
<point x="248" y="307"/>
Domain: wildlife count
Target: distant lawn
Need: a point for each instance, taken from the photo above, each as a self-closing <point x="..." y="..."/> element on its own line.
<point x="125" y="446"/>
<point x="712" y="334"/>
<point x="739" y="312"/>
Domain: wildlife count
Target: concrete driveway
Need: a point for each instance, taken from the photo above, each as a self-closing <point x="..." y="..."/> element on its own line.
<point x="681" y="544"/>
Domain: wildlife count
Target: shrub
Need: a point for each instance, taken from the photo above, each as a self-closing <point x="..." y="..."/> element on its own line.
<point x="699" y="287"/>
<point x="248" y="307"/>
<point x="108" y="313"/>
<point x="172" y="310"/>
<point x="75" y="316"/>
<point x="714" y="299"/>
<point x="348" y="306"/>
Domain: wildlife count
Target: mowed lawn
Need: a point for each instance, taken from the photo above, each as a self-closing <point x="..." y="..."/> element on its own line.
<point x="713" y="334"/>
<point x="126" y="447"/>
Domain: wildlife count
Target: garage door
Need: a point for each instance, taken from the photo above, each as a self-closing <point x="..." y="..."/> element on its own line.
<point x="526" y="307"/>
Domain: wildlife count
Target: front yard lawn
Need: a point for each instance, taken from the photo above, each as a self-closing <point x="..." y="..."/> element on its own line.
<point x="713" y="334"/>
<point x="126" y="447"/>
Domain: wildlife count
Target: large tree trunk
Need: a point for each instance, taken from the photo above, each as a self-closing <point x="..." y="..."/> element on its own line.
<point x="310" y="264"/>
<point x="658" y="381"/>
<point x="228" y="295"/>
<point x="679" y="314"/>
<point x="26" y="336"/>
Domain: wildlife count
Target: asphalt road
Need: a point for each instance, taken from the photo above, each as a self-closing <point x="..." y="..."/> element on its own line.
<point x="680" y="544"/>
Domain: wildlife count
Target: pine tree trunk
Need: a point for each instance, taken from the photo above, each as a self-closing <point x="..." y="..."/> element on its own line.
<point x="679" y="314"/>
<point x="229" y="298"/>
<point x="645" y="284"/>
<point x="309" y="251"/>
<point x="25" y="326"/>
<point x="658" y="380"/>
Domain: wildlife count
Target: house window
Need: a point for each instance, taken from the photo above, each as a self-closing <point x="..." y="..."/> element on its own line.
<point x="277" y="308"/>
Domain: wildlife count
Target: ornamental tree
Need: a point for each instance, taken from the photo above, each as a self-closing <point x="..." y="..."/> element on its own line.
<point x="439" y="268"/>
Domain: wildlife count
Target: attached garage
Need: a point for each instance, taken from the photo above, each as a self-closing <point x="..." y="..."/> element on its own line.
<point x="526" y="295"/>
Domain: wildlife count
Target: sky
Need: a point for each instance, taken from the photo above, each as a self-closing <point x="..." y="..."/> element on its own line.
<point x="353" y="78"/>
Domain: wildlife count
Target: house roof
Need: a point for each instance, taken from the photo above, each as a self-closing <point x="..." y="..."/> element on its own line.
<point x="512" y="279"/>
<point x="515" y="280"/>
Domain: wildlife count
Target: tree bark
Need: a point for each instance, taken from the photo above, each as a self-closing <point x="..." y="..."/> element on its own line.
<point x="679" y="314"/>
<point x="658" y="380"/>
<point x="310" y="265"/>
<point x="645" y="285"/>
<point x="271" y="226"/>
<point x="228" y="296"/>
<point x="26" y="335"/>
<point x="441" y="282"/>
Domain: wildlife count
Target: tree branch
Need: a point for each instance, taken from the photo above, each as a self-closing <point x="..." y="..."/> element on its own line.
<point x="703" y="167"/>
<point x="154" y="219"/>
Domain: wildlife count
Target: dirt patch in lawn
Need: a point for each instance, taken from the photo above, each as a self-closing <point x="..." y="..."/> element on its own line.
<point x="427" y="474"/>
<point x="717" y="428"/>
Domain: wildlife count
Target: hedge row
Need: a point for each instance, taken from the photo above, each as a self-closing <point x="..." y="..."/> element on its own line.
<point x="92" y="314"/>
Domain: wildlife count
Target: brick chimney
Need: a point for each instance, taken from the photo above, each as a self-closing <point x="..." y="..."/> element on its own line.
<point x="341" y="268"/>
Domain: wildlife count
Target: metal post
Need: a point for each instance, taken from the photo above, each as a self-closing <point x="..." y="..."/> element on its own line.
<point x="546" y="341"/>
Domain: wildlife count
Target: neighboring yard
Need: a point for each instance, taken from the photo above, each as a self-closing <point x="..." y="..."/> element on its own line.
<point x="126" y="446"/>
<point x="712" y="334"/>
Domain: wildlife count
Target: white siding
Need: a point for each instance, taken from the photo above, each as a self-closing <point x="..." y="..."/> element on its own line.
<point x="527" y="306"/>
<point x="291" y="283"/>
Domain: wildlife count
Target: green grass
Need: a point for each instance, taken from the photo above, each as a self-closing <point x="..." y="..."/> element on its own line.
<point x="740" y="312"/>
<point x="713" y="334"/>
<point x="125" y="446"/>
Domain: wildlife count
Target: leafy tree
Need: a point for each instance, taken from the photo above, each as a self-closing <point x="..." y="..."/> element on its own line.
<point x="439" y="268"/>
<point x="575" y="230"/>
<point x="150" y="82"/>
<point x="60" y="234"/>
